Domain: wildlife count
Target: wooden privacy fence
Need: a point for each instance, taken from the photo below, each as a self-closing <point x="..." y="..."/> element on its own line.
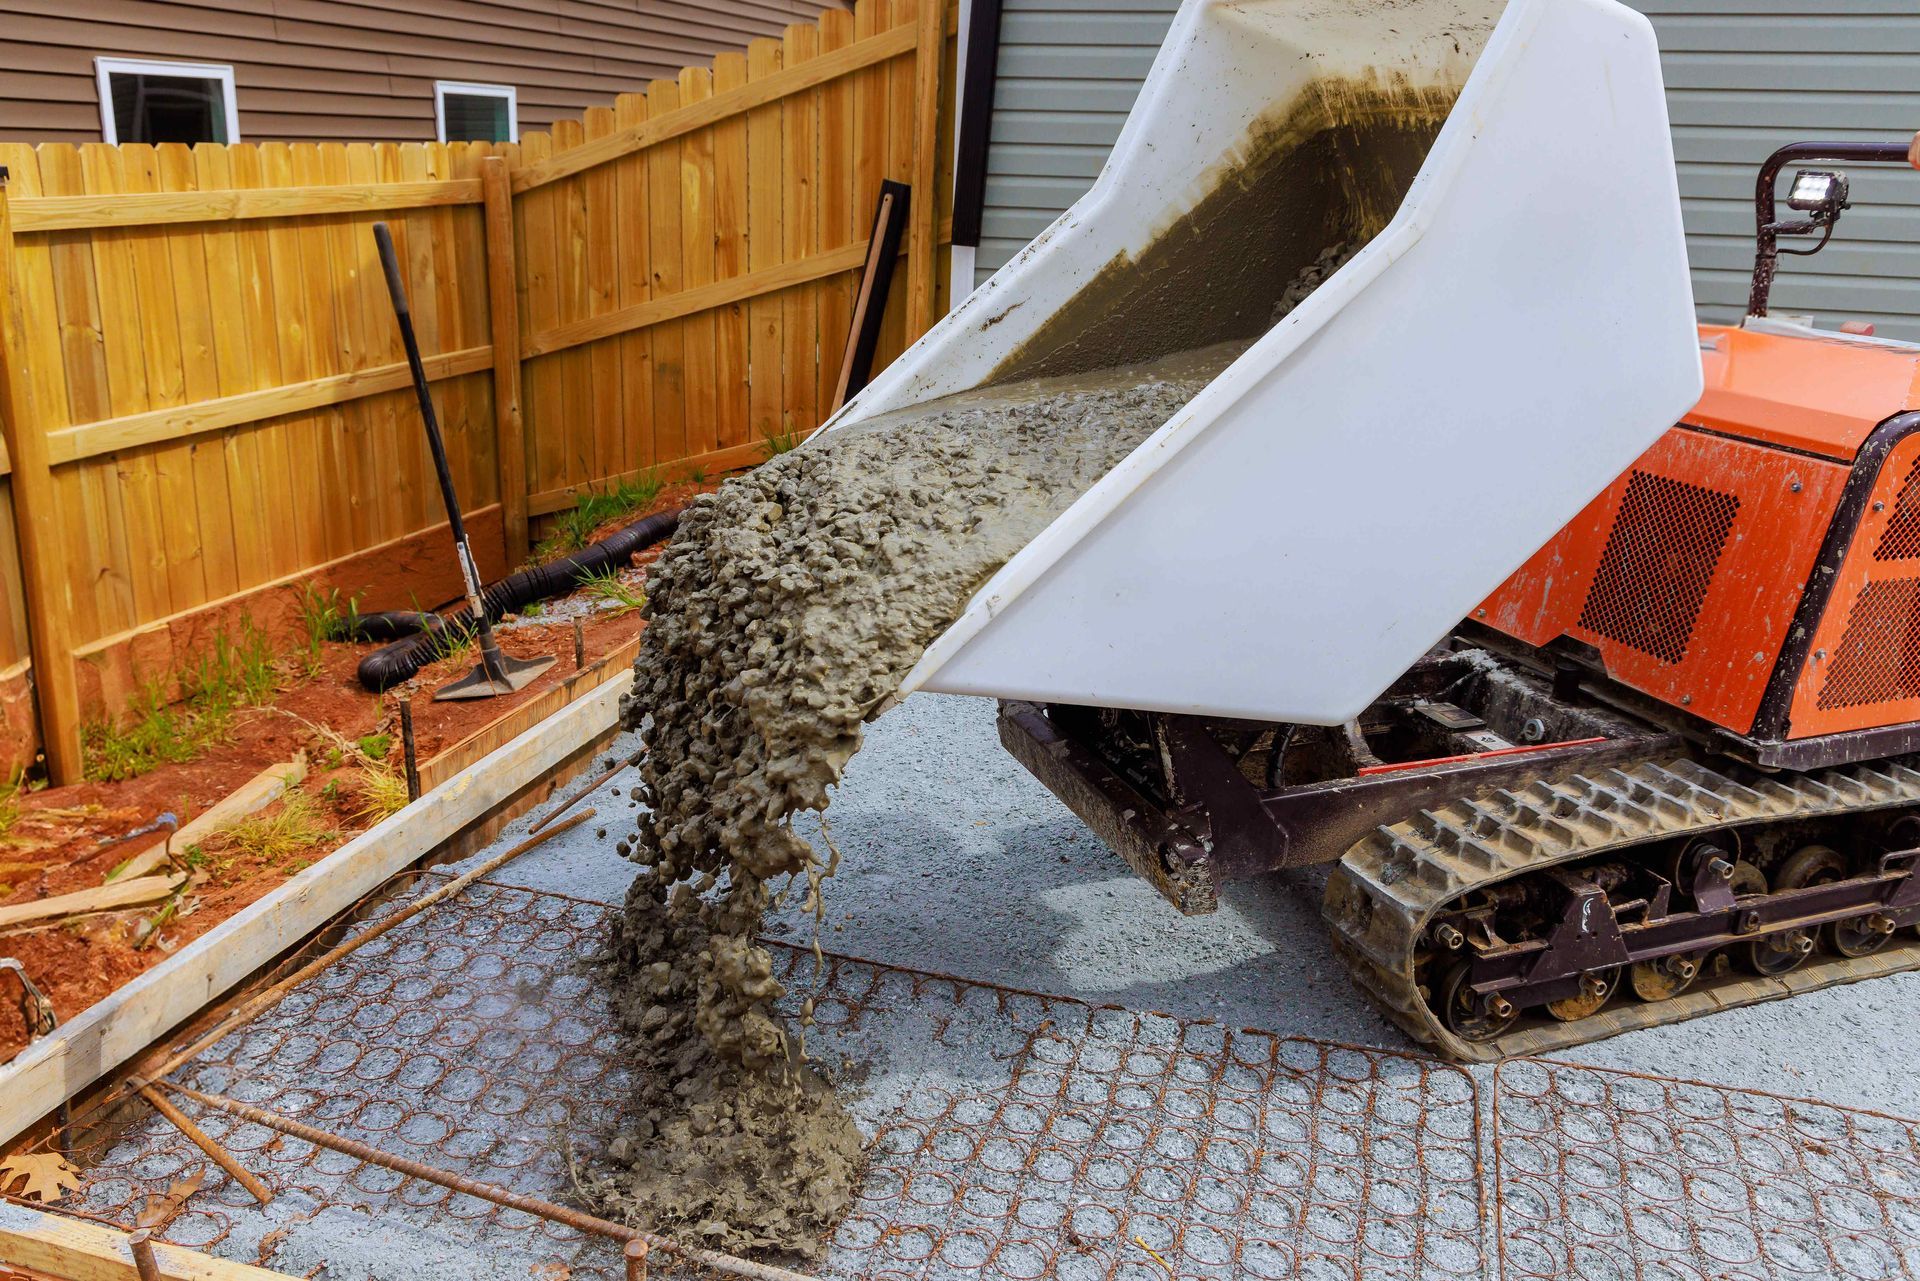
<point x="204" y="398"/>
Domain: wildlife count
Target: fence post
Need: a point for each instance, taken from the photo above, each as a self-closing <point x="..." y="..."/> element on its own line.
<point x="923" y="249"/>
<point x="510" y="445"/>
<point x="43" y="561"/>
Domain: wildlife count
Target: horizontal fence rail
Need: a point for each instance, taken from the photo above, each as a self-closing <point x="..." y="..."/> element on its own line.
<point x="206" y="407"/>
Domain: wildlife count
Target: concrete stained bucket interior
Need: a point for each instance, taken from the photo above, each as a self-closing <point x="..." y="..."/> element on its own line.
<point x="1515" y="328"/>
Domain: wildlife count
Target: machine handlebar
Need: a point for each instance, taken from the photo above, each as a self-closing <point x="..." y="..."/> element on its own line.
<point x="1766" y="200"/>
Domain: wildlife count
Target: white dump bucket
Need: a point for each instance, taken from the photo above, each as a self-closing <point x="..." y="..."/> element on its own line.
<point x="1516" y="331"/>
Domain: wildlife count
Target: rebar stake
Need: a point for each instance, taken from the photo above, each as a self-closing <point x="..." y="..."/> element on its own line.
<point x="636" y="1256"/>
<point x="144" y="1262"/>
<point x="406" y="749"/>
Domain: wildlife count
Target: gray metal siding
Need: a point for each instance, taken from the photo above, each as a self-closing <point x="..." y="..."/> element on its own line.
<point x="1743" y="77"/>
<point x="1069" y="71"/>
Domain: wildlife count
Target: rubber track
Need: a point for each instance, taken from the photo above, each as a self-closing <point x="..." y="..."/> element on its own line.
<point x="1385" y="890"/>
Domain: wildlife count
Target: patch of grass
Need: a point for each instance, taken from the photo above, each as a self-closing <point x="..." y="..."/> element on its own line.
<point x="293" y="827"/>
<point x="572" y="528"/>
<point x="609" y="586"/>
<point x="382" y="792"/>
<point x="450" y="642"/>
<point x="151" y="731"/>
<point x="10" y="804"/>
<point x="775" y="443"/>
<point x="325" y="618"/>
<point x="232" y="674"/>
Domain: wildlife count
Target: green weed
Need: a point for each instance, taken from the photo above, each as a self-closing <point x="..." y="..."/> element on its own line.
<point x="325" y="619"/>
<point x="610" y="587"/>
<point x="775" y="443"/>
<point x="382" y="792"/>
<point x="444" y="643"/>
<point x="572" y="528"/>
<point x="10" y="804"/>
<point x="374" y="746"/>
<point x="151" y="731"/>
<point x="295" y="826"/>
<point x="232" y="674"/>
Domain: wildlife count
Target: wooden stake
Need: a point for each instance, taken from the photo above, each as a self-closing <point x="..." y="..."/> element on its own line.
<point x="876" y="281"/>
<point x="922" y="247"/>
<point x="36" y="523"/>
<point x="509" y="425"/>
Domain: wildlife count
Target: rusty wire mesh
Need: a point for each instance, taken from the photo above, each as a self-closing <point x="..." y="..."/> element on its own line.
<point x="1109" y="1137"/>
<point x="1025" y="1136"/>
<point x="1602" y="1174"/>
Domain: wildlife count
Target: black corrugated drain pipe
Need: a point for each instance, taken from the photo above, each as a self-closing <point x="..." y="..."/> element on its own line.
<point x="420" y="634"/>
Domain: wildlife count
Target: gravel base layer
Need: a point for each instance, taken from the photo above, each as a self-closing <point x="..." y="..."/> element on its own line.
<point x="1024" y="1135"/>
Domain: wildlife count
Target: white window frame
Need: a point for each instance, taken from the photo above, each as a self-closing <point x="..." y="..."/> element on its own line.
<point x="104" y="69"/>
<point x="441" y="88"/>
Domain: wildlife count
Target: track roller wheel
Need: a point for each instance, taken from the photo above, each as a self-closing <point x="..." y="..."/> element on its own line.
<point x="1862" y="936"/>
<point x="1666" y="978"/>
<point x="1782" y="953"/>
<point x="1465" y="1015"/>
<point x="1596" y="989"/>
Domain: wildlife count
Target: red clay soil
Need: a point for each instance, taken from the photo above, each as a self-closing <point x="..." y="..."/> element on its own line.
<point x="55" y="845"/>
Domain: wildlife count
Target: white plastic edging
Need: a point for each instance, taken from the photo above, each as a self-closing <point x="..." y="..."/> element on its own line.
<point x="126" y="1022"/>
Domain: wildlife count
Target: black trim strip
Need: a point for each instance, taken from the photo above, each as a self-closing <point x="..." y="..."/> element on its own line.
<point x="977" y="81"/>
<point x="1770" y="722"/>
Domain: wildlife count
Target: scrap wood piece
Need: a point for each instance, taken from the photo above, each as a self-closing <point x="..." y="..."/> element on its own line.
<point x="73" y="1250"/>
<point x="44" y="1176"/>
<point x="250" y="797"/>
<point x="104" y="898"/>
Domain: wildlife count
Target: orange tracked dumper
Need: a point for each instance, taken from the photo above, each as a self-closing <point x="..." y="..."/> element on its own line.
<point x="1672" y="765"/>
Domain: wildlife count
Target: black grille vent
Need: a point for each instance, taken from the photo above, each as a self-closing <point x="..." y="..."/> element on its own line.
<point x="1879" y="656"/>
<point x="1658" y="563"/>
<point x="1900" y="540"/>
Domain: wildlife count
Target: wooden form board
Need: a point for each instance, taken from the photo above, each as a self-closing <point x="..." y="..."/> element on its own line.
<point x="126" y="1022"/>
<point x="74" y="1250"/>
<point x="485" y="741"/>
<point x="213" y="388"/>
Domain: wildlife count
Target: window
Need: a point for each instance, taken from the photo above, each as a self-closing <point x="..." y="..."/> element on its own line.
<point x="474" y="113"/>
<point x="143" y="101"/>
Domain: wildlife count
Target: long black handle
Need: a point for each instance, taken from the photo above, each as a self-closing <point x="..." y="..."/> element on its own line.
<point x="469" y="571"/>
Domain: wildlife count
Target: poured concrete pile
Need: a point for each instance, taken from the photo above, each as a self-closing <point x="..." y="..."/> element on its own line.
<point x="789" y="605"/>
<point x="788" y="608"/>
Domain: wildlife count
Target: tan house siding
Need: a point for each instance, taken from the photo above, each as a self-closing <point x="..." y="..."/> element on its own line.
<point x="352" y="70"/>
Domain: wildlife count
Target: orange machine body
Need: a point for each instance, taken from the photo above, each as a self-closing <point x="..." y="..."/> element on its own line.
<point x="1759" y="566"/>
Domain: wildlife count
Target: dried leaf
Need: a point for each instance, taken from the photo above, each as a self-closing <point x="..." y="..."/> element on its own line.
<point x="271" y="1243"/>
<point x="552" y="1270"/>
<point x="160" y="1210"/>
<point x="46" y="1175"/>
